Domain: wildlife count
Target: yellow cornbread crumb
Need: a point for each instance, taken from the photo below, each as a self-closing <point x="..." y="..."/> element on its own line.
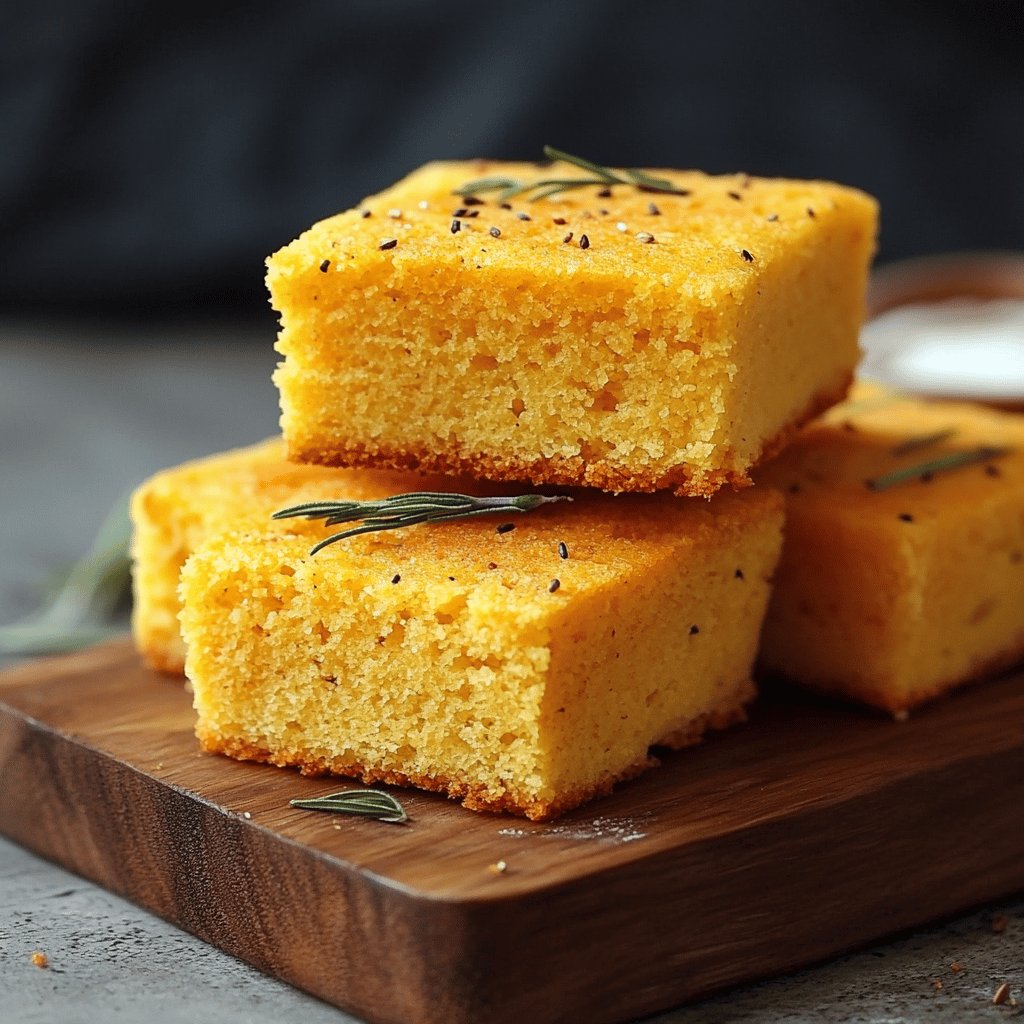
<point x="897" y="595"/>
<point x="629" y="364"/>
<point x="443" y="656"/>
<point x="177" y="508"/>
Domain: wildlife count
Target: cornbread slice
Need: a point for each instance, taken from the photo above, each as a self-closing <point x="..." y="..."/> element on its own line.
<point x="895" y="596"/>
<point x="176" y="509"/>
<point x="478" y="661"/>
<point x="628" y="341"/>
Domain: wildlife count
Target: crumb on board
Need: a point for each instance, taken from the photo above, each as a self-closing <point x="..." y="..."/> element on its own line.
<point x="247" y="815"/>
<point x="936" y="983"/>
<point x="499" y="867"/>
<point x="1001" y="994"/>
<point x="40" y="959"/>
<point x="956" y="967"/>
<point x="999" y="923"/>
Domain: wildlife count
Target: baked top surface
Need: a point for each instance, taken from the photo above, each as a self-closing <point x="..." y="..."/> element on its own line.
<point x="840" y="459"/>
<point x="709" y="242"/>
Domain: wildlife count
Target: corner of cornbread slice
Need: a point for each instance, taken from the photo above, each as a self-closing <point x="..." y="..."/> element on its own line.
<point x="174" y="510"/>
<point x="630" y="342"/>
<point x="480" y="662"/>
<point x="892" y="596"/>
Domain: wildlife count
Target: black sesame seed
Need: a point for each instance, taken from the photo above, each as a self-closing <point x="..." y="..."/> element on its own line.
<point x="471" y="213"/>
<point x="460" y="212"/>
<point x="738" y="574"/>
<point x="563" y="551"/>
<point x="325" y="266"/>
<point x="584" y="242"/>
<point x="505" y="206"/>
<point x="365" y="213"/>
<point x="456" y="226"/>
<point x="645" y="236"/>
<point x="604" y="193"/>
<point x="734" y="195"/>
<point x="473" y="201"/>
<point x="603" y="212"/>
<point x="559" y="220"/>
<point x="492" y="565"/>
<point x="810" y="212"/>
<point x="568" y="237"/>
<point x="505" y="528"/>
<point x="746" y="255"/>
<point x="395" y="578"/>
<point x="653" y="210"/>
<point x="553" y="586"/>
<point x="905" y="517"/>
<point x="772" y="217"/>
<point x="927" y="478"/>
<point x="388" y="243"/>
<point x="452" y="578"/>
<point x="495" y="233"/>
<point x="522" y="216"/>
<point x="694" y="630"/>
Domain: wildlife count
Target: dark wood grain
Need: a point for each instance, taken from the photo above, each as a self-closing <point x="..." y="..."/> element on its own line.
<point x="808" y="832"/>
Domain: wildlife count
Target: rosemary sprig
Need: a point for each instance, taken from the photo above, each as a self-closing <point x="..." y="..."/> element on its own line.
<point x="80" y="612"/>
<point x="508" y="188"/>
<point x="401" y="510"/>
<point x="365" y="803"/>
<point x="954" y="460"/>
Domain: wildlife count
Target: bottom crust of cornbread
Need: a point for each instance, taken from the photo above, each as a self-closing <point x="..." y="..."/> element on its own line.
<point x="555" y="470"/>
<point x="731" y="711"/>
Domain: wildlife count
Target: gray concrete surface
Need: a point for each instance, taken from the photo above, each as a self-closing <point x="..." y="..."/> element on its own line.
<point x="84" y="417"/>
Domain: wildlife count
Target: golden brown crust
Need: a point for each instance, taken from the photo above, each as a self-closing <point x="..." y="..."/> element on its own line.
<point x="557" y="470"/>
<point x="476" y="796"/>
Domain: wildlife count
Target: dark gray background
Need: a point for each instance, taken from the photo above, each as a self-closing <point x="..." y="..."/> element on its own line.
<point x="153" y="154"/>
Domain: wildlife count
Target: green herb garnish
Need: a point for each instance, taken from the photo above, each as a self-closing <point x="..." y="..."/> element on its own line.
<point x="913" y="444"/>
<point x="80" y="612"/>
<point x="401" y="510"/>
<point x="365" y="803"/>
<point x="954" y="460"/>
<point x="507" y="188"/>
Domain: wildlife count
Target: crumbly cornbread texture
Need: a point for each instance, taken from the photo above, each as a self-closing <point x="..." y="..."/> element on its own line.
<point x="480" y="662"/>
<point x="177" y="508"/>
<point x="629" y="341"/>
<point x="898" y="595"/>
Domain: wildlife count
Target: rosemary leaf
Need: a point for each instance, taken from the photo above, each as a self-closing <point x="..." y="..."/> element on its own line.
<point x="607" y="177"/>
<point x="913" y="444"/>
<point x="954" y="460"/>
<point x="365" y="803"/>
<point x="401" y="510"/>
<point x="487" y="185"/>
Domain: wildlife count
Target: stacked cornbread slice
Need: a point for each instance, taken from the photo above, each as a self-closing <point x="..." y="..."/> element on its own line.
<point x="608" y="337"/>
<point x="902" y="574"/>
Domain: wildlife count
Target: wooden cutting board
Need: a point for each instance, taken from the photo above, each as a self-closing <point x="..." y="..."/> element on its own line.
<point x="811" y="830"/>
